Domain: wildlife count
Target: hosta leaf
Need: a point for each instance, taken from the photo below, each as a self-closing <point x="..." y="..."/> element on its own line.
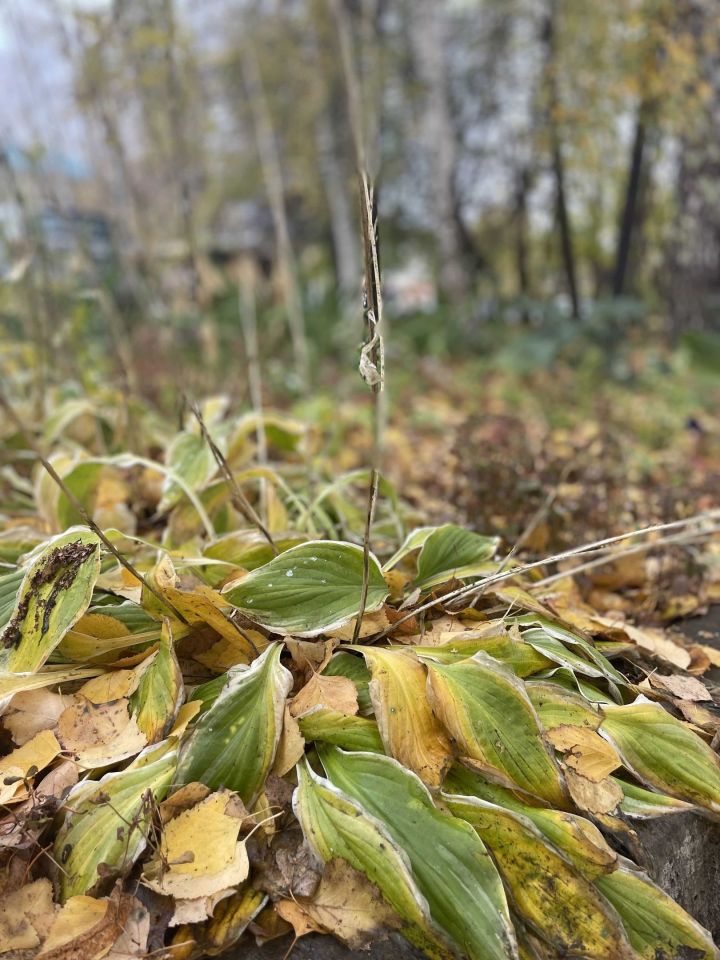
<point x="310" y="588"/>
<point x="450" y="552"/>
<point x="55" y="592"/>
<point x="159" y="694"/>
<point x="449" y="862"/>
<point x="350" y="733"/>
<point x="413" y="541"/>
<point x="189" y="458"/>
<point x="487" y="711"/>
<point x="656" y="926"/>
<point x="9" y="587"/>
<point x="336" y="826"/>
<point x="233" y="743"/>
<point x="551" y="896"/>
<point x="408" y="727"/>
<point x="105" y="829"/>
<point x="577" y="838"/>
<point x="247" y="549"/>
<point x="643" y="804"/>
<point x="664" y="753"/>
<point x="555" y="706"/>
<point x="522" y="659"/>
<point x="552" y="629"/>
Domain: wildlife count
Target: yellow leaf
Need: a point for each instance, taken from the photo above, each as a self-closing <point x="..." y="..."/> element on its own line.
<point x="199" y="851"/>
<point x="291" y="746"/>
<point x="36" y="753"/>
<point x="26" y="916"/>
<point x="409" y="730"/>
<point x="585" y="751"/>
<point x="336" y="693"/>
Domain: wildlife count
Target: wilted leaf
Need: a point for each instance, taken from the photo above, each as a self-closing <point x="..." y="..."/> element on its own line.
<point x="85" y="927"/>
<point x="55" y="592"/>
<point x="25" y="762"/>
<point x="585" y="751"/>
<point x="684" y="688"/>
<point x="233" y="743"/>
<point x="486" y="710"/>
<point x="593" y="796"/>
<point x="336" y="826"/>
<point x="350" y="733"/>
<point x="230" y="919"/>
<point x="656" y="926"/>
<point x="106" y="820"/>
<point x="664" y="752"/>
<point x="333" y="693"/>
<point x="348" y="906"/>
<point x="99" y="735"/>
<point x="159" y="694"/>
<point x="408" y="728"/>
<point x="450" y="864"/>
<point x="550" y="895"/>
<point x="309" y="589"/>
<point x="31" y="711"/>
<point x="291" y="746"/>
<point x="26" y="916"/>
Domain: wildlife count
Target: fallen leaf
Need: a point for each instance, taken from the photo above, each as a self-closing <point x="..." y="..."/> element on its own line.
<point x="602" y="797"/>
<point x="371" y="624"/>
<point x="291" y="746"/>
<point x="585" y="751"/>
<point x="35" y="755"/>
<point x="99" y="735"/>
<point x="183" y="799"/>
<point x="684" y="688"/>
<point x="26" y="916"/>
<point x="31" y="711"/>
<point x="85" y="928"/>
<point x="199" y="853"/>
<point x="350" y="907"/>
<point x="336" y="693"/>
<point x="294" y="914"/>
<point x="112" y="685"/>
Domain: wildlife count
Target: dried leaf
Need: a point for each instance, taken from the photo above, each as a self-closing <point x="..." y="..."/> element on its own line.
<point x="585" y="751"/>
<point x="334" y="693"/>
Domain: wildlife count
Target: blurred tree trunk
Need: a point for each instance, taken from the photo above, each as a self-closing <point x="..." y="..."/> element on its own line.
<point x="522" y="253"/>
<point x="428" y="34"/>
<point x="695" y="250"/>
<point x="630" y="220"/>
<point x="549" y="39"/>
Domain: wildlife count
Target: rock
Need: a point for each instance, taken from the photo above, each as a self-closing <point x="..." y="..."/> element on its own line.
<point x="317" y="947"/>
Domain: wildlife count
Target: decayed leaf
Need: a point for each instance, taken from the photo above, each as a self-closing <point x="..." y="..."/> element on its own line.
<point x="291" y="746"/>
<point x="333" y="693"/>
<point x="230" y="919"/>
<point x="408" y="728"/>
<point x="199" y="855"/>
<point x="488" y="713"/>
<point x="55" y="592"/>
<point x="347" y="905"/>
<point x="26" y="916"/>
<point x="577" y="838"/>
<point x="104" y="830"/>
<point x="684" y="688"/>
<point x="309" y="589"/>
<point x="99" y="735"/>
<point x="233" y="743"/>
<point x="299" y="919"/>
<point x="585" y="751"/>
<point x="664" y="752"/>
<point x="371" y="623"/>
<point x="452" y="870"/>
<point x="25" y="762"/>
<point x="132" y="944"/>
<point x="593" y="796"/>
<point x="551" y="896"/>
<point x="656" y="926"/>
<point x="336" y="826"/>
<point x="31" y="711"/>
<point x="85" y="928"/>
